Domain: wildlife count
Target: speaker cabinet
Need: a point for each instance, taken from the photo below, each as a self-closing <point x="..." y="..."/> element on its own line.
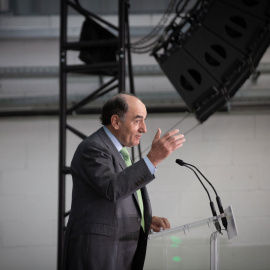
<point x="212" y="51"/>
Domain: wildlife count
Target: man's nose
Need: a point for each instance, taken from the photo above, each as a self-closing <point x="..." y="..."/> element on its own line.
<point x="143" y="128"/>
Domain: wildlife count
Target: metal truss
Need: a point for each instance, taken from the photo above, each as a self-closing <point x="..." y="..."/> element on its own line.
<point x="116" y="70"/>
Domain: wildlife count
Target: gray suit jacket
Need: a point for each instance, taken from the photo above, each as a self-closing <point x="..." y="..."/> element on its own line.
<point x="103" y="231"/>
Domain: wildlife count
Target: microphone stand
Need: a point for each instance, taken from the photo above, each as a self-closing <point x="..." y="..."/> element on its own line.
<point x="220" y="207"/>
<point x="212" y="206"/>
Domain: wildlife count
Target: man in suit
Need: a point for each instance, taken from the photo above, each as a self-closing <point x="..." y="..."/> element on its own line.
<point x="111" y="215"/>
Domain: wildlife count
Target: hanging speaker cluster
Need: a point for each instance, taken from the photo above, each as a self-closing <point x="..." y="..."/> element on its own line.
<point x="209" y="54"/>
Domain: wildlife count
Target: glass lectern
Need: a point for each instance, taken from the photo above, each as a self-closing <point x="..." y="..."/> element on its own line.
<point x="191" y="246"/>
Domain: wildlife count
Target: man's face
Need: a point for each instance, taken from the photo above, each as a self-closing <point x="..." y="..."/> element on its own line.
<point x="130" y="131"/>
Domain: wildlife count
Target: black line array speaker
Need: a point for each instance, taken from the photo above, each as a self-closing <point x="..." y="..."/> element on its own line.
<point x="211" y="52"/>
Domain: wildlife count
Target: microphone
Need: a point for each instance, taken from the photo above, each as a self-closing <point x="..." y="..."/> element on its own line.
<point x="220" y="207"/>
<point x="224" y="220"/>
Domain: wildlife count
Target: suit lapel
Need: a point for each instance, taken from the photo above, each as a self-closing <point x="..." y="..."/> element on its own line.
<point x="107" y="141"/>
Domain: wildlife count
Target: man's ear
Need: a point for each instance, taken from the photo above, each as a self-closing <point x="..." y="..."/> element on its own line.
<point x="115" y="121"/>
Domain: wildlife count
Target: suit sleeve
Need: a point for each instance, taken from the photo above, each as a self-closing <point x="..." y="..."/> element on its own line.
<point x="101" y="170"/>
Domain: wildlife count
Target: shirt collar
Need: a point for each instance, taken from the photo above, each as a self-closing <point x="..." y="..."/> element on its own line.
<point x="114" y="140"/>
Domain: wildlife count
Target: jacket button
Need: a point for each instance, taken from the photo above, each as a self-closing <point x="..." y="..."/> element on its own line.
<point x="136" y="238"/>
<point x="139" y="220"/>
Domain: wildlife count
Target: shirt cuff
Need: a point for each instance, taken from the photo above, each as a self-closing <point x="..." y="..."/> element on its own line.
<point x="150" y="166"/>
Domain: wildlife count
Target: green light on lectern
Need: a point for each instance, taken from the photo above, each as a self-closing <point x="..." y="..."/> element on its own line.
<point x="177" y="259"/>
<point x="175" y="241"/>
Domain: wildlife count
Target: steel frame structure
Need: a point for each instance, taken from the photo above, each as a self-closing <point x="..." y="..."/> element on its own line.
<point x="116" y="82"/>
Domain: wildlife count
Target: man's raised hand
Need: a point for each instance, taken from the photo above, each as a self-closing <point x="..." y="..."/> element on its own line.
<point x="164" y="146"/>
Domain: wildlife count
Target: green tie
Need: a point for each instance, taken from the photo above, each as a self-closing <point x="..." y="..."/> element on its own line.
<point x="127" y="159"/>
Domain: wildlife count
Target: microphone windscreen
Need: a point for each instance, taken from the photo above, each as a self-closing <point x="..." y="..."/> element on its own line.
<point x="180" y="162"/>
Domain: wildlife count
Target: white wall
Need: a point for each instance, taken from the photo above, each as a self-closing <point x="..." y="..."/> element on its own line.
<point x="232" y="150"/>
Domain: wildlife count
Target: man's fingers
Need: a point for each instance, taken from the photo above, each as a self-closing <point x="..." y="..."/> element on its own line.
<point x="176" y="141"/>
<point x="157" y="135"/>
<point x="170" y="134"/>
<point x="166" y="221"/>
<point x="160" y="222"/>
<point x="176" y="138"/>
<point x="163" y="225"/>
<point x="155" y="228"/>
